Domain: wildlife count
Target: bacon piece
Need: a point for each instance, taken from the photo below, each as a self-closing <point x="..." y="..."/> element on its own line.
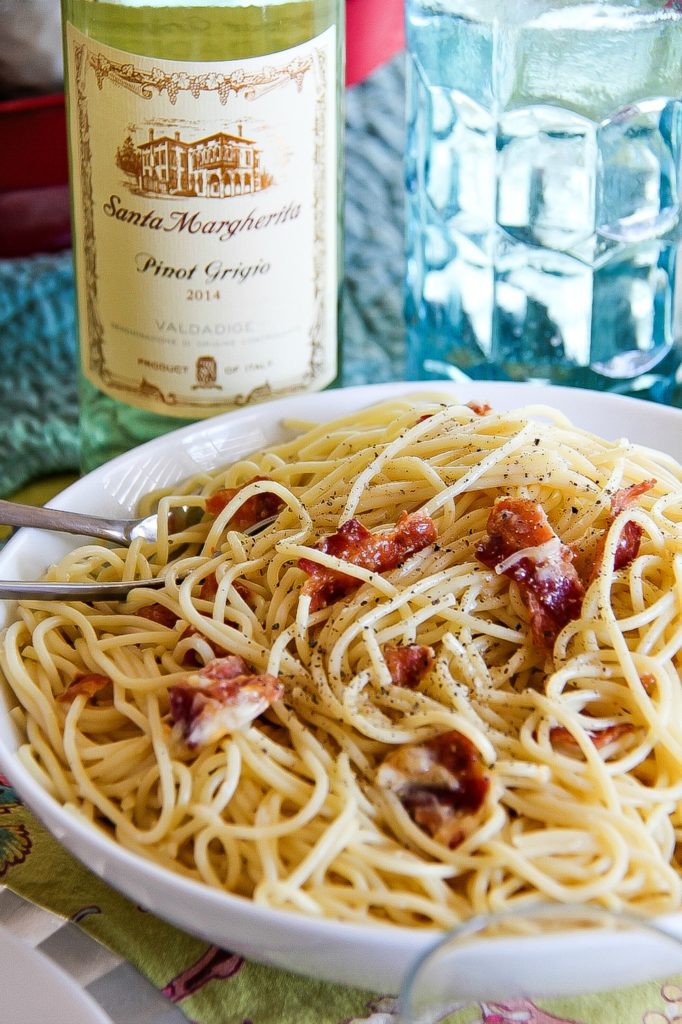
<point x="408" y="664"/>
<point x="624" y="496"/>
<point x="207" y="592"/>
<point x="209" y="588"/>
<point x="89" y="684"/>
<point x="191" y="657"/>
<point x="441" y="783"/>
<point x="378" y="552"/>
<point x="222" y="697"/>
<point x="230" y="667"/>
<point x="480" y="408"/>
<point x="243" y="592"/>
<point x="627" y="547"/>
<point x="559" y="735"/>
<point x="544" y="569"/>
<point x="630" y="537"/>
<point x="158" y="613"/>
<point x="254" y="510"/>
<point x="648" y="681"/>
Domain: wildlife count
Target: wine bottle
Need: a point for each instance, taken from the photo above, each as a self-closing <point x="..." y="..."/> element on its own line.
<point x="204" y="140"/>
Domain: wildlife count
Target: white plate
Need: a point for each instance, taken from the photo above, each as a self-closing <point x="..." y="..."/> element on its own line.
<point x="374" y="957"/>
<point x="35" y="991"/>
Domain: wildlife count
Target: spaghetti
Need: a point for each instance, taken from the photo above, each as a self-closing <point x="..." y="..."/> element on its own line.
<point x="445" y="679"/>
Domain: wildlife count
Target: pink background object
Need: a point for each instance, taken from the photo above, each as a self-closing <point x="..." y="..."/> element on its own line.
<point x="375" y="32"/>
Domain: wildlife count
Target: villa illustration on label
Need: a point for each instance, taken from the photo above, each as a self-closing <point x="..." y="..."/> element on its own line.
<point x="218" y="166"/>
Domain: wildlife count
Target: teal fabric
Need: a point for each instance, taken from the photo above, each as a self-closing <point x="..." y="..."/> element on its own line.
<point x="38" y="402"/>
<point x="38" y="394"/>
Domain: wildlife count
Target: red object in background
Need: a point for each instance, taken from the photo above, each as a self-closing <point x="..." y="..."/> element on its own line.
<point x="34" y="192"/>
<point x="33" y="143"/>
<point x="34" y="220"/>
<point x="375" y="32"/>
<point x="34" y="195"/>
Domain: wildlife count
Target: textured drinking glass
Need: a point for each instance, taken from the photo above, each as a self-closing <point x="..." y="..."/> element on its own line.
<point x="522" y="966"/>
<point x="543" y="181"/>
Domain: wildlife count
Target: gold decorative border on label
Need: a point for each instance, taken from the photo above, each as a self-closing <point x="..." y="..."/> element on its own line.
<point x="95" y="327"/>
<point x="145" y="84"/>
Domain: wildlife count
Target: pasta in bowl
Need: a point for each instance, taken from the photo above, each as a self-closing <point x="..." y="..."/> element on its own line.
<point x="444" y="680"/>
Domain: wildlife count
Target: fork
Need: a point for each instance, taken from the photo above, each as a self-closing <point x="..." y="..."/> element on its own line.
<point x="120" y="531"/>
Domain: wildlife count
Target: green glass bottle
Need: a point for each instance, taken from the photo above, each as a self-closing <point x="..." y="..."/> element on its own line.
<point x="205" y="145"/>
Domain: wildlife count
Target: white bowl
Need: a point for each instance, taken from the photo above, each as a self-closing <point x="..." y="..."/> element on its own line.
<point x="370" y="956"/>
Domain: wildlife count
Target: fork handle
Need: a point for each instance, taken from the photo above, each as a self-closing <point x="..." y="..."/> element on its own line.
<point x="12" y="513"/>
<point x="22" y="590"/>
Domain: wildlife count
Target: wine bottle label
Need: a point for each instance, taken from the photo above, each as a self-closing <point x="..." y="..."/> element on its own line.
<point x="205" y="224"/>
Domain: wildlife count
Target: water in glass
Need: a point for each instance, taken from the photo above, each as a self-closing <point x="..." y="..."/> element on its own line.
<point x="543" y="182"/>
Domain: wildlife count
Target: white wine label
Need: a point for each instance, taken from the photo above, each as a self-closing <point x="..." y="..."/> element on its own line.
<point x="205" y="220"/>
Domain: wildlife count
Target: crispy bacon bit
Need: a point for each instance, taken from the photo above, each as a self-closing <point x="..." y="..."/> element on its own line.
<point x="441" y="783"/>
<point x="543" y="570"/>
<point x="648" y="681"/>
<point x="222" y="697"/>
<point x="480" y="408"/>
<point x="191" y="657"/>
<point x="408" y="664"/>
<point x="560" y="736"/>
<point x="230" y="667"/>
<point x="243" y="592"/>
<point x="377" y="552"/>
<point x="624" y="496"/>
<point x="88" y="684"/>
<point x="627" y="547"/>
<point x="209" y="588"/>
<point x="630" y="537"/>
<point x="254" y="510"/>
<point x="158" y="613"/>
<point x="207" y="592"/>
